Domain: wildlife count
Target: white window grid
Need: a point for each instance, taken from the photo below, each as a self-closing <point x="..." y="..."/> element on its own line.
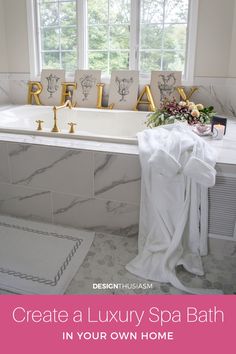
<point x="135" y="48"/>
<point x="59" y="27"/>
<point x="109" y="50"/>
<point x="163" y="24"/>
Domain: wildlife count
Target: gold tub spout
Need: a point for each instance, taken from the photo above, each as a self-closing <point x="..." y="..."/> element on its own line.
<point x="55" y="128"/>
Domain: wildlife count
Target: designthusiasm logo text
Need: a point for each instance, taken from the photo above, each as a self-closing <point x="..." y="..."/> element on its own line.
<point x="122" y="286"/>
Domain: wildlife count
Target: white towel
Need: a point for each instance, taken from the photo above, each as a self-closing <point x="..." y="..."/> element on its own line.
<point x="205" y="173"/>
<point x="174" y="163"/>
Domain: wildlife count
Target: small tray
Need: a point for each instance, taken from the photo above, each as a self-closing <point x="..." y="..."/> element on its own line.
<point x="208" y="132"/>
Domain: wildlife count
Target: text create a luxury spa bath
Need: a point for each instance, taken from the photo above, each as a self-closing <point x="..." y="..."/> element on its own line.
<point x="134" y="317"/>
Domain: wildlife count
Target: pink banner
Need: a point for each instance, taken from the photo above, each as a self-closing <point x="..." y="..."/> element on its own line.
<point x="112" y="324"/>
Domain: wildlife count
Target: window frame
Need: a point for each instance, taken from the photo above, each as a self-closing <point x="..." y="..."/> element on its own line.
<point x="82" y="46"/>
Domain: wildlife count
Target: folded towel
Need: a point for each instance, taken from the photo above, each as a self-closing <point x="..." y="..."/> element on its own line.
<point x="164" y="164"/>
<point x="200" y="171"/>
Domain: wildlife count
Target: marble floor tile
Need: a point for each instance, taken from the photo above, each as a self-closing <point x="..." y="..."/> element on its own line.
<point x="108" y="255"/>
<point x="105" y="263"/>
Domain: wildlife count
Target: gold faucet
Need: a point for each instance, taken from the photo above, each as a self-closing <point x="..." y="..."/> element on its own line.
<point x="55" y="128"/>
<point x="39" y="122"/>
<point x="72" y="127"/>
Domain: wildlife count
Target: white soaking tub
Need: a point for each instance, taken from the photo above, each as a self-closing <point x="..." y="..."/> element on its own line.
<point x="92" y="124"/>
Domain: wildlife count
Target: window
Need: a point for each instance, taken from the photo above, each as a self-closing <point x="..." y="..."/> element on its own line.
<point x="113" y="34"/>
<point x="57" y="34"/>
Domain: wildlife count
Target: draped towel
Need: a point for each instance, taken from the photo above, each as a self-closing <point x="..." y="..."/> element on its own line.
<point x="177" y="168"/>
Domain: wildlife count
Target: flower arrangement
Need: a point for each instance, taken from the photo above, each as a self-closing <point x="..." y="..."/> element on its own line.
<point x="183" y="111"/>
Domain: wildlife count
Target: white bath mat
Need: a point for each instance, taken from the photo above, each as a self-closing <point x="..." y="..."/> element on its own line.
<point x="37" y="258"/>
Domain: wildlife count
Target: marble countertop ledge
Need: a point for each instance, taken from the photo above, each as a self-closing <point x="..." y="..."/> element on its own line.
<point x="226" y="148"/>
<point x="90" y="145"/>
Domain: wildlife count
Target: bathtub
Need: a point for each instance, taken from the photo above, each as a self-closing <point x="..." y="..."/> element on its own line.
<point x="65" y="181"/>
<point x="92" y="124"/>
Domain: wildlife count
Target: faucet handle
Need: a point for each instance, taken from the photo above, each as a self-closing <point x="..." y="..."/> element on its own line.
<point x="39" y="122"/>
<point x="72" y="127"/>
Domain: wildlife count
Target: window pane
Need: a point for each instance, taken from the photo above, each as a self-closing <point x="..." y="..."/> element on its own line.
<point x="152" y="11"/>
<point x="98" y="60"/>
<point x="175" y="37"/>
<point x="119" y="37"/>
<point x="68" y="13"/>
<point x="176" y="11"/>
<point x="151" y="36"/>
<point x="51" y="60"/>
<point x="58" y="30"/>
<point x="98" y="37"/>
<point x="69" y="61"/>
<point x="109" y="30"/>
<point x="119" y="11"/>
<point x="50" y="39"/>
<point x="68" y="38"/>
<point x="150" y="60"/>
<point x="97" y="11"/>
<point x="163" y="32"/>
<point x="119" y="60"/>
<point x="49" y="14"/>
<point x="173" y="61"/>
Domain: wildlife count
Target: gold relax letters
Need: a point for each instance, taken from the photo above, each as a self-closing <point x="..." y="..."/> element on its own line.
<point x="66" y="93"/>
<point x="34" y="90"/>
<point x="99" y="97"/>
<point x="184" y="95"/>
<point x="149" y="101"/>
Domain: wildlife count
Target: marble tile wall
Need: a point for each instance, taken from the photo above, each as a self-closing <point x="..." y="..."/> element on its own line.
<point x="18" y="88"/>
<point x="95" y="214"/>
<point x="84" y="189"/>
<point x="57" y="169"/>
<point x="28" y="203"/>
<point x="4" y="89"/>
<point x="218" y="92"/>
<point x="4" y="163"/>
<point x="122" y="186"/>
<point x="13" y="88"/>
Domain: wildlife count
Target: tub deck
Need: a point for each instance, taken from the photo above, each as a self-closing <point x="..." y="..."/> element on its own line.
<point x="112" y="126"/>
<point x="105" y="140"/>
